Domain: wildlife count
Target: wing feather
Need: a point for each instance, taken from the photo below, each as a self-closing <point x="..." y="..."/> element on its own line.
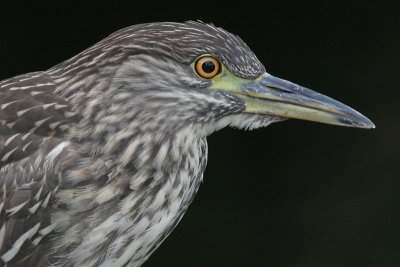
<point x="29" y="113"/>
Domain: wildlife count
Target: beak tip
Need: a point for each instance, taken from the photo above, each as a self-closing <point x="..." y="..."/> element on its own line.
<point x="370" y="125"/>
<point x="362" y="122"/>
<point x="367" y="123"/>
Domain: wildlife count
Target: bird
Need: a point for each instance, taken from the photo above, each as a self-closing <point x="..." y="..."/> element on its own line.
<point x="102" y="154"/>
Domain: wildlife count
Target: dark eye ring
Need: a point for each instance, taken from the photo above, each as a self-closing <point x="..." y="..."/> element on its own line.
<point x="207" y="67"/>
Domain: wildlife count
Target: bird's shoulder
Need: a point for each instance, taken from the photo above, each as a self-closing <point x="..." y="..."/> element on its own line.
<point x="30" y="112"/>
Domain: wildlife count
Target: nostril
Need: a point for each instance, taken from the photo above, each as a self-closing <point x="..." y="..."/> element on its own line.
<point x="280" y="90"/>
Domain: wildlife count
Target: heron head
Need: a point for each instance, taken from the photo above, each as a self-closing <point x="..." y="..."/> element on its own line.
<point x="172" y="74"/>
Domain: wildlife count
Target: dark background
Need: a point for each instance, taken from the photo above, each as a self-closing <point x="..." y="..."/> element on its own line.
<point x="292" y="194"/>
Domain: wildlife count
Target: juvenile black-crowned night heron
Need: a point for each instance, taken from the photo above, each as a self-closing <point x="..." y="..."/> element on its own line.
<point x="102" y="154"/>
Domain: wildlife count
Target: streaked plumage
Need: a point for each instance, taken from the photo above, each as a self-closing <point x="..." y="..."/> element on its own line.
<point x="102" y="154"/>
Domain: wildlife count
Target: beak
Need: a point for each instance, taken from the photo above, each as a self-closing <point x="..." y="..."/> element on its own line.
<point x="274" y="96"/>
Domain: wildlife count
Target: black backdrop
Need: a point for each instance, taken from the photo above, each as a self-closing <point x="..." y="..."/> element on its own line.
<point x="295" y="193"/>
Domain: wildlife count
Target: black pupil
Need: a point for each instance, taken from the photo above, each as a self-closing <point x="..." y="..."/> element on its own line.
<point x="208" y="66"/>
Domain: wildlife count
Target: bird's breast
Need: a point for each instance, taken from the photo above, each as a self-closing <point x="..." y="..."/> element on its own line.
<point x="136" y="209"/>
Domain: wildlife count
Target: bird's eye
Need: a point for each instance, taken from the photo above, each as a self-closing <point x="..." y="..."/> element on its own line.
<point x="207" y="67"/>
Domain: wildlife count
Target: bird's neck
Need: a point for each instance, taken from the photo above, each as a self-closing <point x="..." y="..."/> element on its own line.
<point x="167" y="169"/>
<point x="159" y="167"/>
